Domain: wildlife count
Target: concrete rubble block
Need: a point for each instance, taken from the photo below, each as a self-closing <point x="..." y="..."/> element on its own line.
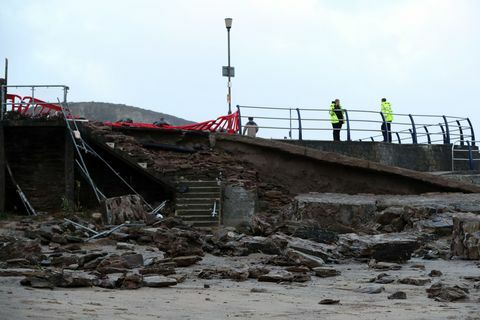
<point x="118" y="210"/>
<point x="277" y="276"/>
<point x="11" y="248"/>
<point x="179" y="242"/>
<point x="263" y="245"/>
<point x="186" y="261"/>
<point x="162" y="268"/>
<point x="158" y="281"/>
<point x="131" y="280"/>
<point x="341" y="213"/>
<point x="325" y="272"/>
<point x="322" y="250"/>
<point x="466" y="236"/>
<point x="302" y="259"/>
<point x="371" y="289"/>
<point x="397" y="295"/>
<point x="442" y="292"/>
<point x="414" y="281"/>
<point x="391" y="247"/>
<point x="224" y="273"/>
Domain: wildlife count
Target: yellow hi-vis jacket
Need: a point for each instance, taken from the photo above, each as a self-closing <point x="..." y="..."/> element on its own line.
<point x="387" y="111"/>
<point x="333" y="115"/>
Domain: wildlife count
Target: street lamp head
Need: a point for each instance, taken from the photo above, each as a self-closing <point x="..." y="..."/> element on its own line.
<point x="228" y="23"/>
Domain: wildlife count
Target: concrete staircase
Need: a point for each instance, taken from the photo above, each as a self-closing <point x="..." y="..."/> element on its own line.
<point x="196" y="204"/>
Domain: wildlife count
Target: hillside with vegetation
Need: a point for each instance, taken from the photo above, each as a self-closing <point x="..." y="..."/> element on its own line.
<point x="101" y="111"/>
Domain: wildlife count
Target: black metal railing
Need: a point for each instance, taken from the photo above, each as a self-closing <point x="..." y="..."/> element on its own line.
<point x="359" y="125"/>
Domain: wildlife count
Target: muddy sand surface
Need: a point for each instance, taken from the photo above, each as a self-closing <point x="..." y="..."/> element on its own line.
<point x="220" y="299"/>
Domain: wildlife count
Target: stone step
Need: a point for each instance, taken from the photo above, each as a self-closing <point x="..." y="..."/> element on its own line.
<point x="188" y="201"/>
<point x="195" y="206"/>
<point x="200" y="183"/>
<point x="199" y="195"/>
<point x="203" y="224"/>
<point x="192" y="212"/>
<point x="215" y="189"/>
<point x="199" y="218"/>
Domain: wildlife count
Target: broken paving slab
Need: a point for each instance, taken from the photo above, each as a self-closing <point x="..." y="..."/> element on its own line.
<point x="337" y="212"/>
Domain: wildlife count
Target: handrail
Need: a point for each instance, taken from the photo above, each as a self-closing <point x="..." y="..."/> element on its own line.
<point x="357" y="121"/>
<point x="471" y="160"/>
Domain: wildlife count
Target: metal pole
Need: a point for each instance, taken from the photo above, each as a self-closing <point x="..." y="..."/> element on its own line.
<point x="443" y="133"/>
<point x="348" y="126"/>
<point x="447" y="130"/>
<point x="414" y="130"/>
<point x="229" y="75"/>
<point x="239" y="120"/>
<point x="428" y="135"/>
<point x="299" y="125"/>
<point x="470" y="156"/>
<point x="398" y="138"/>
<point x="461" y="133"/>
<point x="472" y="133"/>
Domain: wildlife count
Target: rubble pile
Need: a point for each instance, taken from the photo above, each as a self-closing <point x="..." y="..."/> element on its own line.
<point x="201" y="162"/>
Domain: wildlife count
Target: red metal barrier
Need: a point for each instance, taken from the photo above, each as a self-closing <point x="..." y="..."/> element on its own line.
<point x="36" y="106"/>
<point x="228" y="124"/>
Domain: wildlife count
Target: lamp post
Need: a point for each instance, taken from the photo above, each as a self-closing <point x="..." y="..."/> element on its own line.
<point x="229" y="71"/>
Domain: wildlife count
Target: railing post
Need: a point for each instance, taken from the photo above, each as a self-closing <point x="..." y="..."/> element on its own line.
<point x="299" y="124"/>
<point x="348" y="125"/>
<point x="371" y="138"/>
<point x="461" y="133"/>
<point x="470" y="156"/>
<point x="443" y="133"/>
<point x="447" y="130"/>
<point x="414" y="130"/>
<point x="239" y="120"/>
<point x="428" y="135"/>
<point x="471" y="132"/>
<point x="3" y="108"/>
<point x="384" y="126"/>
<point x="398" y="138"/>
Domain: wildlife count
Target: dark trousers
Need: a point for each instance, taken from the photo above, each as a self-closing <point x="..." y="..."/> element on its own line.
<point x="336" y="130"/>
<point x="387" y="131"/>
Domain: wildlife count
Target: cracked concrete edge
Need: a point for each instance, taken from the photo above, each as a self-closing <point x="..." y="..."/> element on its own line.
<point x="338" y="159"/>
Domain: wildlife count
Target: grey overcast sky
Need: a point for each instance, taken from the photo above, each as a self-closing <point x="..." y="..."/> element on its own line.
<point x="424" y="55"/>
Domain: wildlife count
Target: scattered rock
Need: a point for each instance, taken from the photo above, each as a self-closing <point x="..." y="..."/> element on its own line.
<point x="224" y="273"/>
<point x="441" y="292"/>
<point x="277" y="276"/>
<point x="466" y="236"/>
<point x="383" y="278"/>
<point x="435" y="273"/>
<point x="397" y="295"/>
<point x="125" y="246"/>
<point x="158" y="281"/>
<point x="383" y="265"/>
<point x="415" y="281"/>
<point x="131" y="281"/>
<point x="186" y="261"/>
<point x="371" y="289"/>
<point x="324" y="272"/>
<point x="392" y="247"/>
<point x="329" y="301"/>
<point x="259" y="290"/>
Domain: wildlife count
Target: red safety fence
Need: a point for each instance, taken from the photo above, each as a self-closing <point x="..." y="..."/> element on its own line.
<point x="228" y="124"/>
<point x="31" y="106"/>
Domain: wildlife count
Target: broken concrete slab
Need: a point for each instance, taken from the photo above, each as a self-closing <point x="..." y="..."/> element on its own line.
<point x="392" y="247"/>
<point x="158" y="281"/>
<point x="325" y="272"/>
<point x="442" y="292"/>
<point x="118" y="210"/>
<point x="466" y="236"/>
<point x="277" y="276"/>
